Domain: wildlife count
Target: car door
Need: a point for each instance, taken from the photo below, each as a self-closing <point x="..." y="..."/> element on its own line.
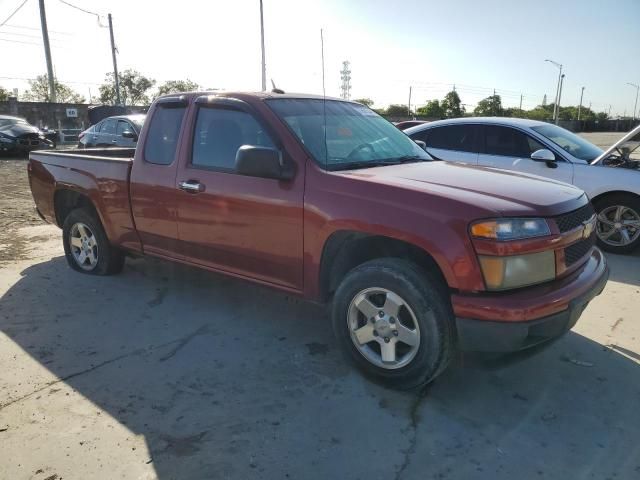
<point x="510" y="149"/>
<point x="248" y="226"/>
<point x="120" y="141"/>
<point x="453" y="143"/>
<point x="93" y="135"/>
<point x="154" y="196"/>
<point x="106" y="137"/>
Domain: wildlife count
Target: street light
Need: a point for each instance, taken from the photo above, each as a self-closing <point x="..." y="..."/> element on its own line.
<point x="636" y="105"/>
<point x="556" y="109"/>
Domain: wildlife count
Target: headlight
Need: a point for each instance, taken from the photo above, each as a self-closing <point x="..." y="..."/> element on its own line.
<point x="501" y="273"/>
<point x="510" y="228"/>
<point x="5" y="139"/>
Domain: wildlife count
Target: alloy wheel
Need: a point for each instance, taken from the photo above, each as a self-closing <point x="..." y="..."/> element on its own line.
<point x="383" y="328"/>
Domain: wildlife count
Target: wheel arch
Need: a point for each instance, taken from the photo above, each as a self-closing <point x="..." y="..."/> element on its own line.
<point x="608" y="193"/>
<point x="65" y="200"/>
<point x="346" y="249"/>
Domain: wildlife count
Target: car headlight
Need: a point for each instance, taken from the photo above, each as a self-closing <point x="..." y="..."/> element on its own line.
<point x="5" y="139"/>
<point x="502" y="273"/>
<point x="510" y="228"/>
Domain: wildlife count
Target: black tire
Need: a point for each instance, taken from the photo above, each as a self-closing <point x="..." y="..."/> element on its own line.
<point x="624" y="199"/>
<point x="110" y="260"/>
<point x="426" y="296"/>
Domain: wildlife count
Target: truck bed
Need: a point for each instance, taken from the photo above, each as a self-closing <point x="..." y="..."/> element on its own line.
<point x="102" y="175"/>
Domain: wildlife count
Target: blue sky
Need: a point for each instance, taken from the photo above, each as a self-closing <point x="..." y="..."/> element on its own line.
<point x="477" y="45"/>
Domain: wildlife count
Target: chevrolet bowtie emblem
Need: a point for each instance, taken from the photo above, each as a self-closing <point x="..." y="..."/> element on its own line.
<point x="589" y="225"/>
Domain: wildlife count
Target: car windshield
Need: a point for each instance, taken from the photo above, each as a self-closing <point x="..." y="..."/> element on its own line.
<point x="138" y="121"/>
<point x="343" y="135"/>
<point x="569" y="142"/>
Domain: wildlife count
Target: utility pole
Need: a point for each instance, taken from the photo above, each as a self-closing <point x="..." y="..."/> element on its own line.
<point x="556" y="110"/>
<point x="47" y="53"/>
<point x="264" y="66"/>
<point x="521" y="102"/>
<point x="409" y="104"/>
<point x="609" y="111"/>
<point x="636" y="104"/>
<point x="559" y="98"/>
<point x="115" y="63"/>
<point x="580" y="106"/>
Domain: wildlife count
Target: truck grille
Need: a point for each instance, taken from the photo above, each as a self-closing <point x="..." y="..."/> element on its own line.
<point x="576" y="251"/>
<point x="574" y="219"/>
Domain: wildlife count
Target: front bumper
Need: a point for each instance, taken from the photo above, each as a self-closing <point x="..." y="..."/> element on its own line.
<point x="512" y="327"/>
<point x="25" y="146"/>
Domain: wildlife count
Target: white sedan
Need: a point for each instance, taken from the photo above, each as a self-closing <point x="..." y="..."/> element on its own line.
<point x="610" y="178"/>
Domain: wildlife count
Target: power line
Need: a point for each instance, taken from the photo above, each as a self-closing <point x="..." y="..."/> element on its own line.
<point x="79" y="8"/>
<point x="36" y="28"/>
<point x="14" y="12"/>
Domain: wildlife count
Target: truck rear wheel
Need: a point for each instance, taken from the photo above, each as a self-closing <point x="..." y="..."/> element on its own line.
<point x="395" y="322"/>
<point x="86" y="246"/>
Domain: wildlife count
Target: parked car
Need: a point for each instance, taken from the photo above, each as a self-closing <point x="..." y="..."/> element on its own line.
<point x="324" y="199"/>
<point x="611" y="180"/>
<point x="118" y="131"/>
<point x="17" y="136"/>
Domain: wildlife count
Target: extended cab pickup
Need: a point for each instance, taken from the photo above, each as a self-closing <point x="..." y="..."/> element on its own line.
<point x="325" y="199"/>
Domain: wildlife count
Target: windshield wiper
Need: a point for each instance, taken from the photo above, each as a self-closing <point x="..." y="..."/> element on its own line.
<point x="379" y="163"/>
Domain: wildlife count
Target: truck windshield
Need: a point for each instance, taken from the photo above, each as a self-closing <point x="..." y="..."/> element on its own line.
<point x="569" y="142"/>
<point x="343" y="135"/>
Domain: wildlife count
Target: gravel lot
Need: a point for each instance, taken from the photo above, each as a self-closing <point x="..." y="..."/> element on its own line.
<point x="172" y="373"/>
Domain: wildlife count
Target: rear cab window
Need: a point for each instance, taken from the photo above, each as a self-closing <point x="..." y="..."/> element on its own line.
<point x="162" y="139"/>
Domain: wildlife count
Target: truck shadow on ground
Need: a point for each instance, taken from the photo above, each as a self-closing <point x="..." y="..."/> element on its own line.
<point x="230" y="380"/>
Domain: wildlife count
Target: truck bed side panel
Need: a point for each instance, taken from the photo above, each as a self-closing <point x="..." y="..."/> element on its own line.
<point x="105" y="181"/>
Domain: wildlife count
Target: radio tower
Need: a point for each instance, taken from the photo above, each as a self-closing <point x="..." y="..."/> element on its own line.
<point x="345" y="76"/>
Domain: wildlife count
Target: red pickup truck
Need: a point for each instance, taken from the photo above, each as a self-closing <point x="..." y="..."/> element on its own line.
<point x="325" y="199"/>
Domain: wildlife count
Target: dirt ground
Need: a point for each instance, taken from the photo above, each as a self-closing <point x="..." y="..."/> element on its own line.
<point x="172" y="373"/>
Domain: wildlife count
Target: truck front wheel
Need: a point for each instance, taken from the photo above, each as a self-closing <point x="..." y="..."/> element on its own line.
<point x="86" y="246"/>
<point x="394" y="321"/>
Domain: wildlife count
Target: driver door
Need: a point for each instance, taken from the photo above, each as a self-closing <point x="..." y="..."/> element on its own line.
<point x="511" y="149"/>
<point x="248" y="226"/>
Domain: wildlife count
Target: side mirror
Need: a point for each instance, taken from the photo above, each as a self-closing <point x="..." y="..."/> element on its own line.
<point x="261" y="162"/>
<point x="547" y="156"/>
<point x="421" y="144"/>
<point x="543" y="155"/>
<point x="130" y="134"/>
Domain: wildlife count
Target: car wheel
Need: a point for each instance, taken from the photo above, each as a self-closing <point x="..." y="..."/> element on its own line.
<point x="618" y="225"/>
<point x="394" y="321"/>
<point x="86" y="246"/>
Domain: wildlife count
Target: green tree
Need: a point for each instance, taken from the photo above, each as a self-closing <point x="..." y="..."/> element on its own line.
<point x="365" y="101"/>
<point x="541" y="112"/>
<point x="452" y="105"/>
<point x="397" y="110"/>
<point x="4" y="94"/>
<point x="134" y="88"/>
<point x="602" y="116"/>
<point x="489" y="107"/>
<point x="39" y="91"/>
<point x="176" y="86"/>
<point x="432" y="109"/>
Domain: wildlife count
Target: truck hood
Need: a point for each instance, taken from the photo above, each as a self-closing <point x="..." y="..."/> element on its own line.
<point x="502" y="192"/>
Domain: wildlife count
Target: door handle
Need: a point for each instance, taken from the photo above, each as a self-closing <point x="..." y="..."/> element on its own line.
<point x="191" y="186"/>
<point x="114" y="141"/>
